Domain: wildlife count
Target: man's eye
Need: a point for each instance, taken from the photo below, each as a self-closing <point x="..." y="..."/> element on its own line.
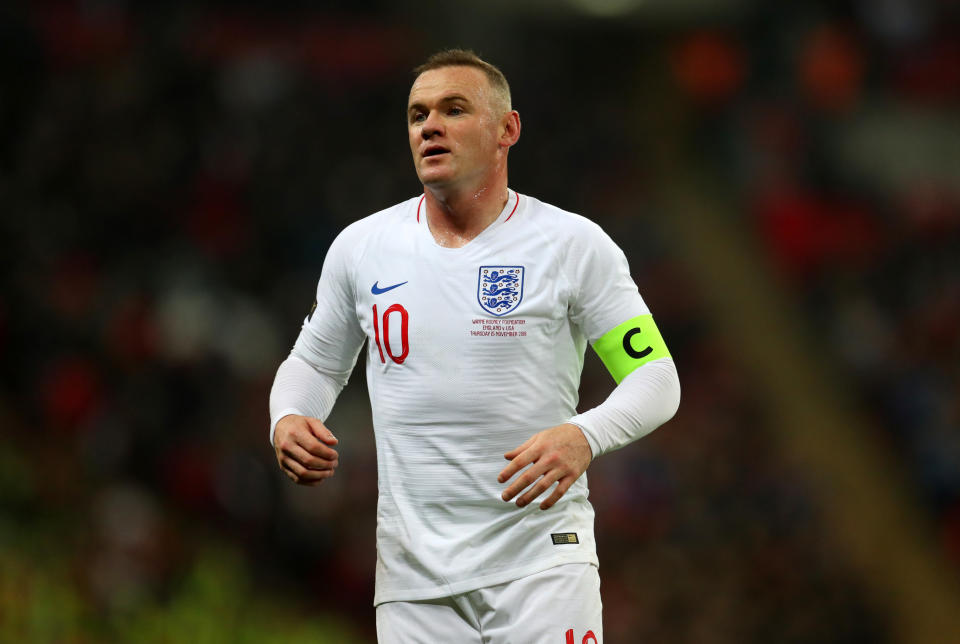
<point x="418" y="117"/>
<point x="455" y="111"/>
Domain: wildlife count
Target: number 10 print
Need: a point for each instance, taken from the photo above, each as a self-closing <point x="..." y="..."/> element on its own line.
<point x="588" y="638"/>
<point x="404" y="342"/>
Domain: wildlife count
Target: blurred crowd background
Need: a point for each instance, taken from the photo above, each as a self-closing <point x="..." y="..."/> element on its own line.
<point x="171" y="176"/>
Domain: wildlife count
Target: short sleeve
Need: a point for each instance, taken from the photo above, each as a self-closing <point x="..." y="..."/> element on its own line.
<point x="603" y="294"/>
<point x="331" y="336"/>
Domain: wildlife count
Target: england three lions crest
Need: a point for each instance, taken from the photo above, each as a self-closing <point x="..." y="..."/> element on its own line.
<point x="500" y="289"/>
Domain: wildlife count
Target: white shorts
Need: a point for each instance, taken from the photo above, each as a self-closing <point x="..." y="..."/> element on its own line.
<point x="560" y="605"/>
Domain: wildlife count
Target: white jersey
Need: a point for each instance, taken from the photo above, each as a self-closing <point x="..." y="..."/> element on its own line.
<point x="470" y="351"/>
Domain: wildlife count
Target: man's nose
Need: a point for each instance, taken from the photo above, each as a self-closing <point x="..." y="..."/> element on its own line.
<point x="432" y="125"/>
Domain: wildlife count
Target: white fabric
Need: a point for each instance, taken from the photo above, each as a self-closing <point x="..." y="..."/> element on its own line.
<point x="466" y="386"/>
<point x="648" y="397"/>
<point x="555" y="606"/>
<point x="300" y="389"/>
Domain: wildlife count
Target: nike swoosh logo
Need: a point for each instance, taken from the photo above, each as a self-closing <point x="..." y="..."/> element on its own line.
<point x="376" y="290"/>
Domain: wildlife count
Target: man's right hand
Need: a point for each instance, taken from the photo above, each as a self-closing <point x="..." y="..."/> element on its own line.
<point x="304" y="449"/>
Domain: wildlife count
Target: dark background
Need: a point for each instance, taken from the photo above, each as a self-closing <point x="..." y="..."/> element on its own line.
<point x="784" y="178"/>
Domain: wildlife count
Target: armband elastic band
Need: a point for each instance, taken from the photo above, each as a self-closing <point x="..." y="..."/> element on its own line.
<point x="630" y="345"/>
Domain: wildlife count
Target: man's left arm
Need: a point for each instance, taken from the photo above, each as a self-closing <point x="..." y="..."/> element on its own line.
<point x="647" y="396"/>
<point x="608" y="307"/>
<point x="648" y="388"/>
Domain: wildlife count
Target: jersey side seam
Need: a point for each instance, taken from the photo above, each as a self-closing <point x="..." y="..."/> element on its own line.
<point x="562" y="252"/>
<point x="561" y="256"/>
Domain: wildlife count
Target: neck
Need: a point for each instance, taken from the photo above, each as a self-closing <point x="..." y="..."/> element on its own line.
<point x="457" y="216"/>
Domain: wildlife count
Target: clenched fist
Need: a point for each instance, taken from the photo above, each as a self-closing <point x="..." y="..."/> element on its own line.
<point x="304" y="449"/>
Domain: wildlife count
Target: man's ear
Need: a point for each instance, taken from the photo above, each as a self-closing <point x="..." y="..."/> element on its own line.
<point x="510" y="128"/>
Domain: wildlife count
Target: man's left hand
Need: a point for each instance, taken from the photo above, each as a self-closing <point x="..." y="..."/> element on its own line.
<point x="559" y="454"/>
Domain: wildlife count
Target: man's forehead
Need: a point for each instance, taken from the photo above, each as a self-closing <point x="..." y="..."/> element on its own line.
<point x="469" y="82"/>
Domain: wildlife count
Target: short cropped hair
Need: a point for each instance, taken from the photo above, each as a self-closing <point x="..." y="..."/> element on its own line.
<point x="467" y="58"/>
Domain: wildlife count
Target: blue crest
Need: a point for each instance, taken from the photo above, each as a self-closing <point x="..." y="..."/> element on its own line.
<point x="500" y="289"/>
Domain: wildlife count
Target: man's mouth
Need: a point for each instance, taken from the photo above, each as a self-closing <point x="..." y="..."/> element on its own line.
<point x="434" y="151"/>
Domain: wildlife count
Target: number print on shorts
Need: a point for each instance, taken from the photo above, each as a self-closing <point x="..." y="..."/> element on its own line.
<point x="588" y="638"/>
<point x="404" y="338"/>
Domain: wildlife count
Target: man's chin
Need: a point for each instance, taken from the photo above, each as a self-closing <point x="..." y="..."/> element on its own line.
<point x="436" y="179"/>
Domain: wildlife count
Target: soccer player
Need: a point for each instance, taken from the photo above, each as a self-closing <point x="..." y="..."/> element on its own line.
<point x="476" y="303"/>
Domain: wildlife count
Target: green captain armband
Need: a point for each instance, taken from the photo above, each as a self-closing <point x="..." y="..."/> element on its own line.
<point x="630" y="345"/>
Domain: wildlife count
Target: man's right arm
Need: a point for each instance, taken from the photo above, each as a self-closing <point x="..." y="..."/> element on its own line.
<point x="301" y="396"/>
<point x="310" y="379"/>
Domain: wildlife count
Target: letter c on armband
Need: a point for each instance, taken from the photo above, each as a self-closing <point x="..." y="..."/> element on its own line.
<point x="633" y="353"/>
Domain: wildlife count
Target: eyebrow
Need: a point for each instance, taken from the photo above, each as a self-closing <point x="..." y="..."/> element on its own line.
<point x="450" y="98"/>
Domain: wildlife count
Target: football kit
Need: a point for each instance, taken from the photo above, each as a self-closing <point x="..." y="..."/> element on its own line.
<point x="560" y="605"/>
<point x="470" y="351"/>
